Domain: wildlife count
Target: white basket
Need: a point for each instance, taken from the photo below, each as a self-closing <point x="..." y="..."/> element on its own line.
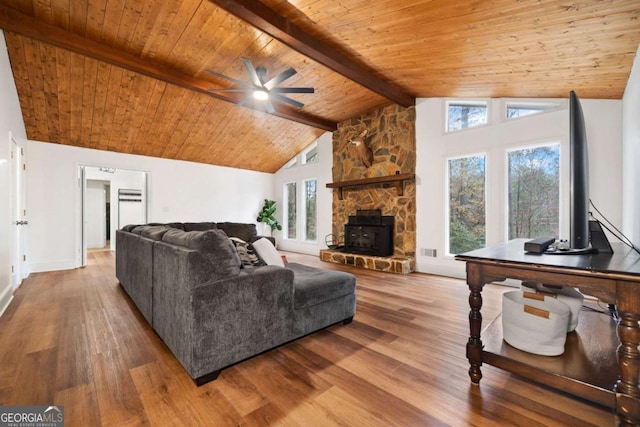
<point x="535" y="326"/>
<point x="566" y="294"/>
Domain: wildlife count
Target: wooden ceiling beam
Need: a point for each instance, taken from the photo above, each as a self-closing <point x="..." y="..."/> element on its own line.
<point x="270" y="22"/>
<point x="17" y="22"/>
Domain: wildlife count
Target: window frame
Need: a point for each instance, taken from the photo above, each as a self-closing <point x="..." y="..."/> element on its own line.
<point x="285" y="213"/>
<point x="447" y="235"/>
<point x="539" y="144"/>
<point x="304" y="209"/>
<point x="545" y="107"/>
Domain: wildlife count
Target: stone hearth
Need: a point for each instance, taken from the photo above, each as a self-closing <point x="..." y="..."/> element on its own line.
<point x="394" y="264"/>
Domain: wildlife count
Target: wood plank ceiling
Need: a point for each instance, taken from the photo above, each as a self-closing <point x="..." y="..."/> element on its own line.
<point x="131" y="76"/>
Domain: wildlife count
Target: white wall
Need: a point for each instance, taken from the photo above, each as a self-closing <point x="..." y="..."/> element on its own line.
<point x="178" y="191"/>
<point x="631" y="154"/>
<point x="320" y="171"/>
<point x="603" y="121"/>
<point x="10" y="124"/>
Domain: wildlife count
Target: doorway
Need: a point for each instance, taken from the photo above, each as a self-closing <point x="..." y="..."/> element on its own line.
<point x="101" y="213"/>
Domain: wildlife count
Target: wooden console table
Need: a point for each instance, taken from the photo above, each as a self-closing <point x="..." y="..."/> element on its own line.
<point x="596" y="365"/>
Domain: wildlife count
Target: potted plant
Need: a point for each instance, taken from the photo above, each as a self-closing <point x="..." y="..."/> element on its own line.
<point x="268" y="215"/>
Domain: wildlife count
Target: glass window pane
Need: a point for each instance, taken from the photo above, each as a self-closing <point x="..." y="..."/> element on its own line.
<point x="534" y="192"/>
<point x="462" y="116"/>
<point x="466" y="204"/>
<point x="290" y="197"/>
<point x="310" y="198"/>
<point x="515" y="110"/>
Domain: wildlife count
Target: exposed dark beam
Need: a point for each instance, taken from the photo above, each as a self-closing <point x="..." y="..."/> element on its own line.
<point x="17" y="22"/>
<point x="268" y="21"/>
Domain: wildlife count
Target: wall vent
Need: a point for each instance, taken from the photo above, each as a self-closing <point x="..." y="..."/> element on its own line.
<point x="429" y="252"/>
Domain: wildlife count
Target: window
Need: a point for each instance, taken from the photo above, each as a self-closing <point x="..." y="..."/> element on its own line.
<point x="466" y="203"/>
<point x="521" y="109"/>
<point x="291" y="163"/>
<point x="310" y="154"/>
<point x="463" y="115"/>
<point x="310" y="200"/>
<point x="290" y="210"/>
<point x="534" y="192"/>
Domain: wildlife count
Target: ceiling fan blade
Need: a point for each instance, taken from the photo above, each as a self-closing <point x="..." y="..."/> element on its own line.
<point x="279" y="78"/>
<point x="244" y="100"/>
<point x="269" y="105"/>
<point x="293" y="90"/>
<point x="231" y="79"/>
<point x="230" y="90"/>
<point x="253" y="75"/>
<point x="287" y="100"/>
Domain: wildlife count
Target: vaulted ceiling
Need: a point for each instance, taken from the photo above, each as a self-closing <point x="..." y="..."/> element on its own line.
<point x="131" y="75"/>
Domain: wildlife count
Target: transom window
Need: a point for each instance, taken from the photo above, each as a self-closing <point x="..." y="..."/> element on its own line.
<point x="521" y="109"/>
<point x="466" y="114"/>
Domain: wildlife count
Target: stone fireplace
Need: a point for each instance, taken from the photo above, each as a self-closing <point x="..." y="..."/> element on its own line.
<point x="387" y="184"/>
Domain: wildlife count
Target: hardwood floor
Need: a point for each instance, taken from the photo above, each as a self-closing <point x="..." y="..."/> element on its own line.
<point x="74" y="338"/>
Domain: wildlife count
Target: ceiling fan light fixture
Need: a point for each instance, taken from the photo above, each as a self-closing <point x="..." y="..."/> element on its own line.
<point x="261" y="94"/>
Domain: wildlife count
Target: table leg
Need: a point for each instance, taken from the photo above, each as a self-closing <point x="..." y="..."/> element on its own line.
<point x="627" y="387"/>
<point x="474" y="345"/>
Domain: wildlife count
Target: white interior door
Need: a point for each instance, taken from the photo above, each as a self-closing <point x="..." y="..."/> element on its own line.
<point x="96" y="214"/>
<point x="18" y="215"/>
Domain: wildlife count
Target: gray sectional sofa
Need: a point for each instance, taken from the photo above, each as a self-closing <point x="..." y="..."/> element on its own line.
<point x="210" y="308"/>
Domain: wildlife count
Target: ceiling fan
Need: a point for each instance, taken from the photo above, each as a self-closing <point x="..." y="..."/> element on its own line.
<point x="262" y="90"/>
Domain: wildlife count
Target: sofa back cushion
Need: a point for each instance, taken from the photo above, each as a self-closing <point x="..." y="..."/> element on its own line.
<point x="154" y="232"/>
<point x="214" y="246"/>
<point x="246" y="232"/>
<point x="198" y="226"/>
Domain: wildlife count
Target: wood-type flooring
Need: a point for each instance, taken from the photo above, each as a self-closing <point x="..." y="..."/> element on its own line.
<point x="74" y="338"/>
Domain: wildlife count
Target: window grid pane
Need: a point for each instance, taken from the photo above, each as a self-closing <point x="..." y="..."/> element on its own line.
<point x="534" y="192"/>
<point x="467" y="221"/>
<point x="310" y="194"/>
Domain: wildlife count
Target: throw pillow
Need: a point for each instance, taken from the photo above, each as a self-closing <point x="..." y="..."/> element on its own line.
<point x="268" y="252"/>
<point x="245" y="251"/>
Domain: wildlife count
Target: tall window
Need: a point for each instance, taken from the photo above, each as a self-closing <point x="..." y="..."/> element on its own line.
<point x="463" y="115"/>
<point x="290" y="207"/>
<point x="534" y="192"/>
<point x="466" y="203"/>
<point x="310" y="202"/>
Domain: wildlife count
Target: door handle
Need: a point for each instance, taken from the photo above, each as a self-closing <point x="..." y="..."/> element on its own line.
<point x="22" y="222"/>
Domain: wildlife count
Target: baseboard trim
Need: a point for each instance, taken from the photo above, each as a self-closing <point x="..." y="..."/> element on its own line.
<point x="40" y="267"/>
<point x="5" y="299"/>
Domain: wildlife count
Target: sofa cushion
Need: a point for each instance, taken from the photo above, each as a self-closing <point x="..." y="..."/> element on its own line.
<point x="247" y="254"/>
<point x="314" y="286"/>
<point x="130" y="227"/>
<point x="198" y="226"/>
<point x="177" y="225"/>
<point x="267" y="252"/>
<point x="154" y="232"/>
<point x="246" y="232"/>
<point x="213" y="244"/>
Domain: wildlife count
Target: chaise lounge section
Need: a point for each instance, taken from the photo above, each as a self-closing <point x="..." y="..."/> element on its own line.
<point x="213" y="311"/>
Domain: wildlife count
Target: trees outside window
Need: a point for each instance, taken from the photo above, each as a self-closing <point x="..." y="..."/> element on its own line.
<point x="534" y="192"/>
<point x="310" y="200"/>
<point x="463" y="115"/>
<point x="290" y="210"/>
<point x="466" y="203"/>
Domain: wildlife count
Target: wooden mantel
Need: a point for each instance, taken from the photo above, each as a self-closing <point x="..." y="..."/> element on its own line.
<point x="398" y="180"/>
